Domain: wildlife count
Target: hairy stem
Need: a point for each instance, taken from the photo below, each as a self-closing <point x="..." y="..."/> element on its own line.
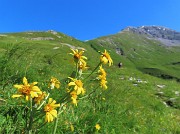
<point x="56" y="121"/>
<point x="92" y="71"/>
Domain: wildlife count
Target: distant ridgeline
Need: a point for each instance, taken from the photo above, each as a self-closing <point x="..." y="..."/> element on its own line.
<point x="167" y="36"/>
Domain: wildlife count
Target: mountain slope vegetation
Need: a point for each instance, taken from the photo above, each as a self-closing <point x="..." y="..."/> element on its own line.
<point x="142" y="95"/>
<point x="147" y="54"/>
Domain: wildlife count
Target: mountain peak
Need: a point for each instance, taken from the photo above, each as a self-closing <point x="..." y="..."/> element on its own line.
<point x="155" y="31"/>
<point x="165" y="35"/>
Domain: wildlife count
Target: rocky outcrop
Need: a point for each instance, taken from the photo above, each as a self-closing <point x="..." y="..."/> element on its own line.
<point x="53" y="32"/>
<point x="71" y="46"/>
<point x="41" y="38"/>
<point x="165" y="35"/>
<point x="3" y="35"/>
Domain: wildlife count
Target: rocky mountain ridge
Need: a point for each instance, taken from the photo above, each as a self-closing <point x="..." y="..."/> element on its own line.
<point x="165" y="35"/>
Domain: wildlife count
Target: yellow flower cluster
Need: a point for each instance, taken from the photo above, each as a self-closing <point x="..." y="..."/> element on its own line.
<point x="54" y="83"/>
<point x="27" y="90"/>
<point x="74" y="97"/>
<point x="77" y="84"/>
<point x="97" y="126"/>
<point x="51" y="113"/>
<point x="77" y="89"/>
<point x="79" y="59"/>
<point x="78" y="56"/>
<point x="38" y="98"/>
<point x="31" y="91"/>
<point x="102" y="77"/>
<point x="106" y="58"/>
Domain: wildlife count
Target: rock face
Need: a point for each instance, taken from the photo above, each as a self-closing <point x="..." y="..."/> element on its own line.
<point x="167" y="36"/>
<point x="41" y="38"/>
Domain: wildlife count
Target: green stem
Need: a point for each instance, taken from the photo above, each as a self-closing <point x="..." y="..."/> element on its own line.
<point x="65" y="97"/>
<point x="26" y="113"/>
<point x="39" y="116"/>
<point x="92" y="71"/>
<point x="89" y="93"/>
<point x="31" y="117"/>
<point x="43" y="102"/>
<point x="56" y="121"/>
<point x="76" y="69"/>
<point x="41" y="126"/>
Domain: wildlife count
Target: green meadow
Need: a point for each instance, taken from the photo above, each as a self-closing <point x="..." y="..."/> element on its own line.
<point x="142" y="96"/>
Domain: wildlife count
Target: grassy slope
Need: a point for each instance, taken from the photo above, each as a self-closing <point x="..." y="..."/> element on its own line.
<point x="147" y="55"/>
<point x="145" y="111"/>
<point x="129" y="108"/>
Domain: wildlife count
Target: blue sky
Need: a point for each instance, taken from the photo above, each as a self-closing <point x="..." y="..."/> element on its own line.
<point x="87" y="19"/>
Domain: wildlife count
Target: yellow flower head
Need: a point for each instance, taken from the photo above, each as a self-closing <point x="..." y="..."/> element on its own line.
<point x="78" y="55"/>
<point x="102" y="78"/>
<point x="72" y="128"/>
<point x="106" y="58"/>
<point x="27" y="90"/>
<point x="102" y="73"/>
<point x="51" y="113"/>
<point x="78" y="85"/>
<point x="97" y="126"/>
<point x="41" y="97"/>
<point x="103" y="84"/>
<point x="74" y="97"/>
<point x="82" y="65"/>
<point x="54" y="83"/>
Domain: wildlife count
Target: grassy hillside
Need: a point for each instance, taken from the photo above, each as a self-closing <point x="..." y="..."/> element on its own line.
<point x="135" y="102"/>
<point x="148" y="55"/>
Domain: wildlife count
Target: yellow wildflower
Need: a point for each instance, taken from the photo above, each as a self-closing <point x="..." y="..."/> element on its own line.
<point x="106" y="58"/>
<point x="78" y="85"/>
<point x="82" y="65"/>
<point x="74" y="97"/>
<point x="54" y="83"/>
<point x="103" y="84"/>
<point x="102" y="78"/>
<point x="102" y="73"/>
<point x="27" y="90"/>
<point x="97" y="126"/>
<point x="41" y="97"/>
<point x="72" y="128"/>
<point x="78" y="55"/>
<point x="51" y="113"/>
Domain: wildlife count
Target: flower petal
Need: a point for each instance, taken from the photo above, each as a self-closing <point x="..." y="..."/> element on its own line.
<point x="50" y="117"/>
<point x="71" y="84"/>
<point x="36" y="89"/>
<point x="55" y="105"/>
<point x="25" y="82"/>
<point x="57" y="85"/>
<point x="84" y="57"/>
<point x="50" y="100"/>
<point x="18" y="86"/>
<point x="47" y="119"/>
<point x="27" y="97"/>
<point x="34" y="83"/>
<point x="54" y="113"/>
<point x="16" y="95"/>
<point x="33" y="94"/>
